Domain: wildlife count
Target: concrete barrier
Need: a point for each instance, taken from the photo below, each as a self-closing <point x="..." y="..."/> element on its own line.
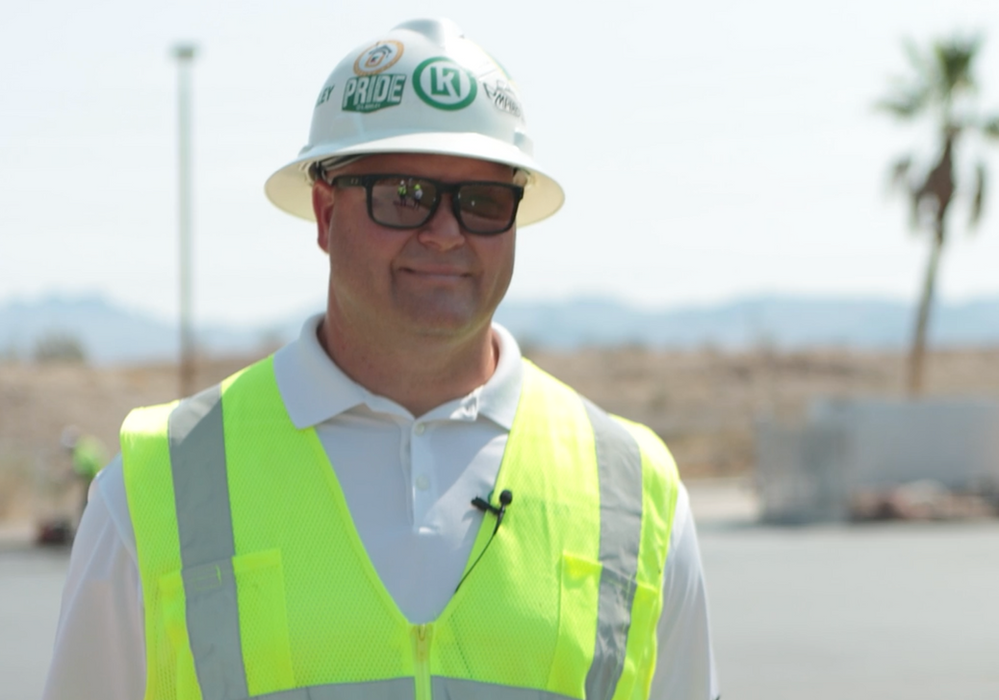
<point x="846" y="447"/>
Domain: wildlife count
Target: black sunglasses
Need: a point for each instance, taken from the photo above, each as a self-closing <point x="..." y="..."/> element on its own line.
<point x="407" y="201"/>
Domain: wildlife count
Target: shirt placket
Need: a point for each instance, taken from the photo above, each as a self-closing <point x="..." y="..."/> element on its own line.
<point x="421" y="472"/>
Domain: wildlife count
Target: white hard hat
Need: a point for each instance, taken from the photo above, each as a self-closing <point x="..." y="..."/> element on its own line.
<point x="421" y="88"/>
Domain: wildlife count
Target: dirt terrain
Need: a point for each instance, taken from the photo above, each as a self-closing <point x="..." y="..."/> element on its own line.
<point x="704" y="404"/>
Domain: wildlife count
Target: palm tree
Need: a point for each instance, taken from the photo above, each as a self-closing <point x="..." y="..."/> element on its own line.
<point x="942" y="86"/>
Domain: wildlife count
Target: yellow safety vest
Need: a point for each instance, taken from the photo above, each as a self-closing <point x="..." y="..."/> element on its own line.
<point x="256" y="583"/>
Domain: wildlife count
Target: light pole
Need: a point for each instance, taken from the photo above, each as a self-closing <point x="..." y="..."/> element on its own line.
<point x="184" y="53"/>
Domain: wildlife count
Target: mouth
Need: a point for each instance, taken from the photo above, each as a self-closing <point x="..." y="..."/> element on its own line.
<point x="443" y="274"/>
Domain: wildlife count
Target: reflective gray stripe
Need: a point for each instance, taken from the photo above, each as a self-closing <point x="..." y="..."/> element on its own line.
<point x="619" y="469"/>
<point x="457" y="689"/>
<point x="197" y="457"/>
<point x="394" y="689"/>
<point x="204" y="525"/>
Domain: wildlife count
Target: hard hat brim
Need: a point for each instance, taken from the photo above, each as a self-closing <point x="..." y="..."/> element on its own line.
<point x="290" y="188"/>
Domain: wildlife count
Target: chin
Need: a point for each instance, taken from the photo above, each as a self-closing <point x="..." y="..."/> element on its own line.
<point x="446" y="322"/>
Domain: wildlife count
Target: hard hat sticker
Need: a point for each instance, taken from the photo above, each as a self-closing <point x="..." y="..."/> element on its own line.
<point x="371" y="93"/>
<point x="442" y="83"/>
<point x="503" y="97"/>
<point x="378" y="58"/>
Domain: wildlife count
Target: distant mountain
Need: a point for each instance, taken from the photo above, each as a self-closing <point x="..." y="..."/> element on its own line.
<point x="784" y="322"/>
<point x="110" y="334"/>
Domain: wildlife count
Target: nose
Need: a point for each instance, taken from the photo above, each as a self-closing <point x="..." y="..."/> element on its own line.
<point x="442" y="231"/>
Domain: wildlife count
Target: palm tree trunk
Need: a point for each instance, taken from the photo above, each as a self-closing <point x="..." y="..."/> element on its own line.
<point x="914" y="384"/>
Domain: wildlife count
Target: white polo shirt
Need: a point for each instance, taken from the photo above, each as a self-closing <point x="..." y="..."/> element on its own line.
<point x="408" y="482"/>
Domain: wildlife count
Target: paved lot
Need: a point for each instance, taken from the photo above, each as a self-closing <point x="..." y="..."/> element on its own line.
<point x="902" y="611"/>
<point x="905" y="611"/>
<point x="30" y="589"/>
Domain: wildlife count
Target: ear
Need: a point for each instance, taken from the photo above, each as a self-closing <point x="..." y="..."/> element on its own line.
<point x="322" y="206"/>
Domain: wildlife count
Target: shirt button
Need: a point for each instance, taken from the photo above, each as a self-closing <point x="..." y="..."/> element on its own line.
<point x="420" y="429"/>
<point x="422" y="482"/>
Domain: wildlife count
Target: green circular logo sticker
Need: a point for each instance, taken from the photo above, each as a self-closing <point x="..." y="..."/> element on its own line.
<point x="442" y="83"/>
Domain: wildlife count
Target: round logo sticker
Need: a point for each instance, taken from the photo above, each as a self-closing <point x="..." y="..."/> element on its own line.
<point x="380" y="57"/>
<point x="442" y="83"/>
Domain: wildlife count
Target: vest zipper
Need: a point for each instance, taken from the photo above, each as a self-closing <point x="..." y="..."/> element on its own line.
<point x="422" y="634"/>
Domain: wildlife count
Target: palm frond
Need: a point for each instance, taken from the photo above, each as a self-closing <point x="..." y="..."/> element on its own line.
<point x="899" y="180"/>
<point x="915" y="207"/>
<point x="916" y="59"/>
<point x="990" y="127"/>
<point x="953" y="63"/>
<point x="900" y="172"/>
<point x="978" y="197"/>
<point x="905" y="103"/>
<point x="910" y="95"/>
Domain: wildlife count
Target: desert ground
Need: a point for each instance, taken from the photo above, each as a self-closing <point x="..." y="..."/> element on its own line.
<point x="703" y="403"/>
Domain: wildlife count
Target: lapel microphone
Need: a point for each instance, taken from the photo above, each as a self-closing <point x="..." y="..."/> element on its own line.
<point x="505" y="499"/>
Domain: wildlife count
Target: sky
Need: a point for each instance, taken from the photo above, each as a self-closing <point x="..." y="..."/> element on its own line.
<point x="708" y="151"/>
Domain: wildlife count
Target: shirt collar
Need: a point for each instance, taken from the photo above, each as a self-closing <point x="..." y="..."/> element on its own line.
<point x="314" y="389"/>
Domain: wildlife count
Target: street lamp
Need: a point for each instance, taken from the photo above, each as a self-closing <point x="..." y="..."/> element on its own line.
<point x="184" y="53"/>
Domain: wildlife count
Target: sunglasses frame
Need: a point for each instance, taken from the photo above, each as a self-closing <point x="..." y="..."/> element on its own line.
<point x="368" y="181"/>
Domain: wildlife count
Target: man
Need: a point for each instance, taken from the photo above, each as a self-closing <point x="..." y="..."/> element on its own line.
<point x="395" y="505"/>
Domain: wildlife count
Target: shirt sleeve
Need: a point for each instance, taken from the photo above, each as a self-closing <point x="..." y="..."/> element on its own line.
<point x="99" y="648"/>
<point x="685" y="667"/>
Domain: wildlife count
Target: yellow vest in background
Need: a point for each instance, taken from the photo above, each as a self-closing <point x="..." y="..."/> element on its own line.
<point x="255" y="580"/>
<point x="89" y="456"/>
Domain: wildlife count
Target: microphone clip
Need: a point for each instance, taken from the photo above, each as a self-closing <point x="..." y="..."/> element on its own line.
<point x="505" y="498"/>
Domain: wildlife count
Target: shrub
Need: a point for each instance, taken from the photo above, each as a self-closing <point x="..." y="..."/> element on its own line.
<point x="59" y="346"/>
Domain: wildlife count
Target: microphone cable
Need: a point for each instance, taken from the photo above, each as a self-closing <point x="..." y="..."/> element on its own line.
<point x="505" y="498"/>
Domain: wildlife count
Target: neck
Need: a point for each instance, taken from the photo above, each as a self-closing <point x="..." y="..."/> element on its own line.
<point x="419" y="374"/>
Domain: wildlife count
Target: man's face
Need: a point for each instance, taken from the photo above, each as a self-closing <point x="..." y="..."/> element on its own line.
<point x="437" y="279"/>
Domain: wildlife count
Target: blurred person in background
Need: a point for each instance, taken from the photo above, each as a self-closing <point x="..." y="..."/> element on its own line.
<point x="89" y="456"/>
<point x="396" y="504"/>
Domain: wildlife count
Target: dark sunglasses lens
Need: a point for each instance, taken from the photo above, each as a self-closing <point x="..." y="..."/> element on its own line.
<point x="487" y="208"/>
<point x="402" y="202"/>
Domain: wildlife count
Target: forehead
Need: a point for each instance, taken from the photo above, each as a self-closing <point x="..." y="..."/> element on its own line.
<point x="430" y="165"/>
